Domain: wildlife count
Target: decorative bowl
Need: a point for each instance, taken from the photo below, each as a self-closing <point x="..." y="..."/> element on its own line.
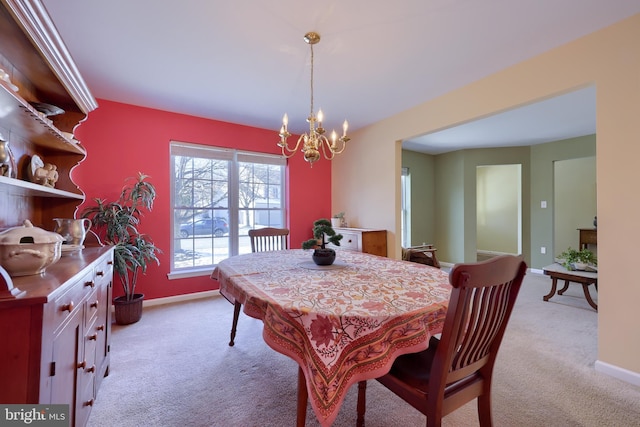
<point x="27" y="250"/>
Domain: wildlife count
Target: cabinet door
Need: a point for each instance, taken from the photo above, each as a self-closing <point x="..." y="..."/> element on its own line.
<point x="66" y="361"/>
<point x="102" y="326"/>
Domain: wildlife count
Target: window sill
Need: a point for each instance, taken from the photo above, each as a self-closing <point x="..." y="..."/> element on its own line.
<point x="194" y="272"/>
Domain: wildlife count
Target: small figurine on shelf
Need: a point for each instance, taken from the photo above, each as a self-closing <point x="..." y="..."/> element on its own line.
<point x="7" y="162"/>
<point x="42" y="173"/>
<point x="52" y="175"/>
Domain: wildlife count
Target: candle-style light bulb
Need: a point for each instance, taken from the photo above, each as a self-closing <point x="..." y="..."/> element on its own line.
<point x="320" y="117"/>
<point x="334" y="136"/>
<point x="345" y="126"/>
<point x="285" y="121"/>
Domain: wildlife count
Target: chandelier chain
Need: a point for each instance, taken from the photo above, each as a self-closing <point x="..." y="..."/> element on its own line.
<point x="311" y="84"/>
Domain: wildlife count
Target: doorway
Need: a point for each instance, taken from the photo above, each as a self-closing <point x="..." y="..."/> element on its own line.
<point x="574" y="201"/>
<point x="498" y="210"/>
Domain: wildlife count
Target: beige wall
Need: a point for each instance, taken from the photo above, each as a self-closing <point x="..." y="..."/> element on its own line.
<point x="366" y="178"/>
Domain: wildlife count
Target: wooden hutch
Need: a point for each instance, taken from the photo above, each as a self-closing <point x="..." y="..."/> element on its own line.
<point x="54" y="327"/>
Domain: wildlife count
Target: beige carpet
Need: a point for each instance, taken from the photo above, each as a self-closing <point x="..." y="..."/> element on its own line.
<point x="174" y="368"/>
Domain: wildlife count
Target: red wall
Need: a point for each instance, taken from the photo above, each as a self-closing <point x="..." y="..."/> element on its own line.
<point x="122" y="140"/>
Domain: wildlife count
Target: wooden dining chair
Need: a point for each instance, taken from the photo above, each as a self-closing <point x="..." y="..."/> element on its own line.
<point x="262" y="240"/>
<point x="423" y="254"/>
<point x="458" y="367"/>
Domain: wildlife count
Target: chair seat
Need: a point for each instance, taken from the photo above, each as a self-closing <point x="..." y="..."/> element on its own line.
<point x="415" y="368"/>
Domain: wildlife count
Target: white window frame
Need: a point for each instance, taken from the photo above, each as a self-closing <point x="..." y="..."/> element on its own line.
<point x="234" y="157"/>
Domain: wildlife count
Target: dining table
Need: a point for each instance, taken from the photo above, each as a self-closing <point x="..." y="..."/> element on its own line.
<point x="344" y="323"/>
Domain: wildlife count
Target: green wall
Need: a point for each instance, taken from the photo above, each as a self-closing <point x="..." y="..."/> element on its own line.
<point x="454" y="201"/>
<point x="421" y="170"/>
<point x="543" y="157"/>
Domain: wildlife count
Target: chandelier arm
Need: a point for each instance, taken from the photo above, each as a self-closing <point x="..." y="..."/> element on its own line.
<point x="326" y="146"/>
<point x="286" y="149"/>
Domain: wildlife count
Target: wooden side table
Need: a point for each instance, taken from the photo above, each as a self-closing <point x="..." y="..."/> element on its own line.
<point x="585" y="278"/>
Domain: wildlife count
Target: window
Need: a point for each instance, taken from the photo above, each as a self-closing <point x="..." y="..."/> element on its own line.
<point x="217" y="196"/>
<point x="405" y="225"/>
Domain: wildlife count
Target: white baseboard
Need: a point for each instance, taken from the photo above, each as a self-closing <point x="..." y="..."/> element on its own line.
<point x="617" y="372"/>
<point x="491" y="253"/>
<point x="180" y="298"/>
<point x="177" y="298"/>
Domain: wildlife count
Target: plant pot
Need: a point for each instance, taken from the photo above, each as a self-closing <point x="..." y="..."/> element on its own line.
<point x="336" y="222"/>
<point x="128" y="311"/>
<point x="324" y="256"/>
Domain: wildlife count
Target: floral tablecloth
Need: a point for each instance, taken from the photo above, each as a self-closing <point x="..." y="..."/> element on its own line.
<point x="343" y="323"/>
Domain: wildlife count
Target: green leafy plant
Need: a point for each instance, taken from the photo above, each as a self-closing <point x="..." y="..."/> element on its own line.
<point x="322" y="228"/>
<point x="572" y="256"/>
<point x="339" y="215"/>
<point x="116" y="223"/>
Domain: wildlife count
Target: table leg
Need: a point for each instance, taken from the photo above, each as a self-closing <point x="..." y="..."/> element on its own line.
<point x="563" y="290"/>
<point x="362" y="404"/>
<point x="552" y="292"/>
<point x="302" y="399"/>
<point x="587" y="295"/>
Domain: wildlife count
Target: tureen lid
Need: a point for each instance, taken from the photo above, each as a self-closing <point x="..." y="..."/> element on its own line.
<point x="28" y="234"/>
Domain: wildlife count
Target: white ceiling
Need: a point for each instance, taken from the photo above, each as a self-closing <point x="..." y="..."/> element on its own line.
<point x="244" y="61"/>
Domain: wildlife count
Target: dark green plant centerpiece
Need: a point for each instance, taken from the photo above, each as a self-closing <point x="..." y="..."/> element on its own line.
<point x="116" y="223"/>
<point x="322" y="255"/>
<point x="573" y="259"/>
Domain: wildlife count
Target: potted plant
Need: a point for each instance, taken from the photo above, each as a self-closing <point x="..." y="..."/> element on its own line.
<point x="116" y="223"/>
<point x="573" y="259"/>
<point x="337" y="220"/>
<point x="322" y="255"/>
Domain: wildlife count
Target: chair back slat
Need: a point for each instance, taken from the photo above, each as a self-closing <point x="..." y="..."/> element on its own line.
<point x="481" y="302"/>
<point x="269" y="239"/>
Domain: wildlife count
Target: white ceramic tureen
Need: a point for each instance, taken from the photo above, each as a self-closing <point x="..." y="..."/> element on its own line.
<point x="26" y="249"/>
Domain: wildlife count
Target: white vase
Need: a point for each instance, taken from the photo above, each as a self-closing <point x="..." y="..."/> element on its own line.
<point x="336" y="222"/>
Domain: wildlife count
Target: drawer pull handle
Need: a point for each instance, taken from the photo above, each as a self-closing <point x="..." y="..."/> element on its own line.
<point x="90" y="283"/>
<point x="92" y="368"/>
<point x="93" y="337"/>
<point x="349" y="241"/>
<point x="94" y="304"/>
<point x="88" y="403"/>
<point x="100" y="328"/>
<point x="68" y="307"/>
<point x="82" y="364"/>
<point x="100" y="273"/>
<point x="110" y="262"/>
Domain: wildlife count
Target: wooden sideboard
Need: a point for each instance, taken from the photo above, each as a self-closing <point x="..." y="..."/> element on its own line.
<point x="363" y="240"/>
<point x="588" y="236"/>
<point x="55" y="333"/>
<point x="54" y="327"/>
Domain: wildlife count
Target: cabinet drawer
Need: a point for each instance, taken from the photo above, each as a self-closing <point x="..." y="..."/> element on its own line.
<point x="350" y="241"/>
<point x="93" y="306"/>
<point x="72" y="299"/>
<point x="104" y="270"/>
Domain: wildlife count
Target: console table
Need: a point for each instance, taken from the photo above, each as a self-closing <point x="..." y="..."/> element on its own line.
<point x="585" y="278"/>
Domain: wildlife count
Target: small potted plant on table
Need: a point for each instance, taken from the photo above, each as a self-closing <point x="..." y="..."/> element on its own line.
<point x="116" y="223"/>
<point x="573" y="259"/>
<point x="323" y="255"/>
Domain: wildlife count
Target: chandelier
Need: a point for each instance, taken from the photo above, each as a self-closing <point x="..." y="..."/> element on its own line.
<point x="314" y="141"/>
